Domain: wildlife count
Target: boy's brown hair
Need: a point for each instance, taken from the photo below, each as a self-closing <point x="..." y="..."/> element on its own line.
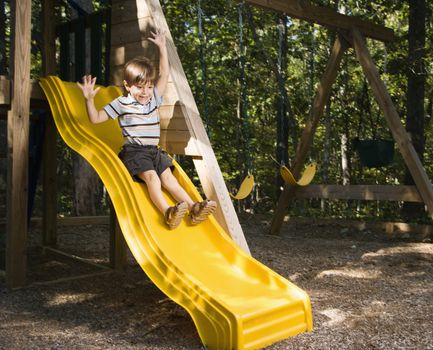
<point x="139" y="70"/>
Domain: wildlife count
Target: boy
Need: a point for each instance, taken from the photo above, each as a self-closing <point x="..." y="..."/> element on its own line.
<point x="137" y="113"/>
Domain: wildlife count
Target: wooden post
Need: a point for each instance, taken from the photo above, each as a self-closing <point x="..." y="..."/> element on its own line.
<point x="399" y="133"/>
<point x="79" y="26"/>
<point x="207" y="168"/>
<point x="49" y="38"/>
<point x="64" y="51"/>
<point x="96" y="46"/>
<point x="18" y="145"/>
<point x="118" y="246"/>
<point x="49" y="181"/>
<point x="322" y="96"/>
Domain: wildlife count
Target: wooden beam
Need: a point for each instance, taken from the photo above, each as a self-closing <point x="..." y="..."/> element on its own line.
<point x="74" y="257"/>
<point x="399" y="133"/>
<point x="316" y="112"/>
<point x="118" y="246"/>
<point x="72" y="278"/>
<point x="49" y="183"/>
<point x="208" y="169"/>
<point x="127" y="11"/>
<point x="37" y="222"/>
<point x="179" y="142"/>
<point x="137" y="30"/>
<point x="49" y="153"/>
<point x="327" y="17"/>
<point x="18" y="145"/>
<point x="36" y="92"/>
<point x="395" y="228"/>
<point x="360" y="192"/>
<point x="75" y="221"/>
<point x="49" y="38"/>
<point x="5" y="96"/>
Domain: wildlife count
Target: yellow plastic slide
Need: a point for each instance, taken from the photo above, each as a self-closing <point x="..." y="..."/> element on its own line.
<point x="235" y="301"/>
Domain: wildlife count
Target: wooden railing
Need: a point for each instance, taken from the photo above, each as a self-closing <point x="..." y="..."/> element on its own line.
<point x="76" y="59"/>
<point x="360" y="192"/>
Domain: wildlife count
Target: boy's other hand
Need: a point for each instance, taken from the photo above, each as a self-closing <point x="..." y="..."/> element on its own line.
<point x="88" y="87"/>
<point x="158" y="38"/>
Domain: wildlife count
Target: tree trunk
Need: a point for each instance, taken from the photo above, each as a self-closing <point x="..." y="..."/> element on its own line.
<point x="326" y="149"/>
<point x="86" y="187"/>
<point x="344" y="159"/>
<point x="416" y="77"/>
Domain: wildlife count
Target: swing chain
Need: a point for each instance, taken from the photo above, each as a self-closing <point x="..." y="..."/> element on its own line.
<point x="242" y="79"/>
<point x="202" y="49"/>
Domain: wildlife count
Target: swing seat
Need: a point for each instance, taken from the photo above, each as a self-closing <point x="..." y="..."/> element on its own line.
<point x="245" y="188"/>
<point x="374" y="153"/>
<point x="306" y="178"/>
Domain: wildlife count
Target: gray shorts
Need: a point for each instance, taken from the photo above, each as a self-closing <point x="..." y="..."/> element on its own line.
<point x="138" y="159"/>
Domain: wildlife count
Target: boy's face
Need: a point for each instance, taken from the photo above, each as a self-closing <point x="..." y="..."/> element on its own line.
<point x="141" y="92"/>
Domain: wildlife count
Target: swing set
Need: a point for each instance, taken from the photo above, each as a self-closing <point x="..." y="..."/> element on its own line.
<point x="248" y="182"/>
<point x="351" y="33"/>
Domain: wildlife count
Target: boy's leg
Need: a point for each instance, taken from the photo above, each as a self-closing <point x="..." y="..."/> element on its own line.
<point x="199" y="211"/>
<point x="153" y="183"/>
<point x="173" y="215"/>
<point x="171" y="184"/>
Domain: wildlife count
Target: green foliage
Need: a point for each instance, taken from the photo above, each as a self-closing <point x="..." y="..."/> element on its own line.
<point x="308" y="52"/>
<point x="308" y="49"/>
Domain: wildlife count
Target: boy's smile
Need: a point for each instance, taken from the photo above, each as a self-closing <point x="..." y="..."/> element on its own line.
<point x="142" y="93"/>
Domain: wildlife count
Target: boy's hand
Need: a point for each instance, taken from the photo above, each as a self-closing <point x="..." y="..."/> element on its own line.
<point x="88" y="87"/>
<point x="158" y="38"/>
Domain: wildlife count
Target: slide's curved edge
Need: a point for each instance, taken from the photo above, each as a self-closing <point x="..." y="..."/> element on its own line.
<point x="218" y="326"/>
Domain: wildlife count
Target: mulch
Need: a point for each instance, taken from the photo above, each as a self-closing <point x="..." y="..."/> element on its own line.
<point x="368" y="291"/>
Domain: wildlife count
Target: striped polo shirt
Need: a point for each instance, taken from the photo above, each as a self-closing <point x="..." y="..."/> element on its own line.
<point x="140" y="124"/>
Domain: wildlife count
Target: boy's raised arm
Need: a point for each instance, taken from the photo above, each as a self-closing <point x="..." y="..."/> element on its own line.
<point x="89" y="92"/>
<point x="158" y="38"/>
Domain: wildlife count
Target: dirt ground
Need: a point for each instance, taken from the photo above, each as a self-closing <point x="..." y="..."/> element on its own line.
<point x="368" y="291"/>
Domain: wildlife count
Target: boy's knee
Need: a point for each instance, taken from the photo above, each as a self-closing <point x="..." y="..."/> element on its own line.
<point x="150" y="177"/>
<point x="168" y="179"/>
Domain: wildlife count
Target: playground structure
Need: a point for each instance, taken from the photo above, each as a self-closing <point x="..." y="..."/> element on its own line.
<point x="129" y="27"/>
<point x="128" y="30"/>
<point x="181" y="124"/>
<point x="215" y="296"/>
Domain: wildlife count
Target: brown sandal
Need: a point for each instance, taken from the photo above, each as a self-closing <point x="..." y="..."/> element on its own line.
<point x="174" y="215"/>
<point x="201" y="210"/>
